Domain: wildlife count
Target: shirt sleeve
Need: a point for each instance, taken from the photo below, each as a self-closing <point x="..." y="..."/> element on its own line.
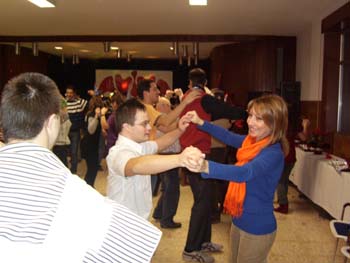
<point x="264" y="162"/>
<point x="129" y="238"/>
<point x="117" y="160"/>
<point x="219" y="109"/>
<point x="227" y="137"/>
<point x="149" y="147"/>
<point x="89" y="227"/>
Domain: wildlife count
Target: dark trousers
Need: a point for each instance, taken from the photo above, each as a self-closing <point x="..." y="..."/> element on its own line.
<point x="92" y="166"/>
<point x="74" y="137"/>
<point x="199" y="230"/>
<point x="61" y="152"/>
<point x="219" y="187"/>
<point x="169" y="199"/>
<point x="282" y="188"/>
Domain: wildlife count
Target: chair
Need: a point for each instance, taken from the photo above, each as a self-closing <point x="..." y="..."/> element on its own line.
<point x="346" y="252"/>
<point x="340" y="229"/>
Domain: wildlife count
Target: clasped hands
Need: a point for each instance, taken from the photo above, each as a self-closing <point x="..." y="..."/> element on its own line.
<point x="193" y="159"/>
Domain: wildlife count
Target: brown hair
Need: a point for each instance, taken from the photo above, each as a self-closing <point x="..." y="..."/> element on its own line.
<point x="126" y="113"/>
<point x="27" y="102"/>
<point x="94" y="102"/>
<point x="273" y="110"/>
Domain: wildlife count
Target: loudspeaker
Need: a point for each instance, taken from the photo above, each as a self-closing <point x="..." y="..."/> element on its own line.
<point x="290" y="92"/>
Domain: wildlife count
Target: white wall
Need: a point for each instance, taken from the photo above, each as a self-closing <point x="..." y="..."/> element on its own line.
<point x="310" y="56"/>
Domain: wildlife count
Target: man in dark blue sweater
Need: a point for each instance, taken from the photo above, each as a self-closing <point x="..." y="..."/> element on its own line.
<point x="76" y="111"/>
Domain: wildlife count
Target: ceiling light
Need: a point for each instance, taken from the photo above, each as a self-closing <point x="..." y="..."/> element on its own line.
<point x="189" y="61"/>
<point x="195" y="48"/>
<point x="119" y="53"/>
<point x="184" y="51"/>
<point x="198" y="2"/>
<point x="196" y="60"/>
<point x="176" y="48"/>
<point x="180" y="60"/>
<point x="114" y="48"/>
<point x="171" y="48"/>
<point x="35" y="49"/>
<point x="84" y="51"/>
<point x="128" y="57"/>
<point x="58" y="48"/>
<point x="17" y="48"/>
<point x="107" y="46"/>
<point x="43" y="3"/>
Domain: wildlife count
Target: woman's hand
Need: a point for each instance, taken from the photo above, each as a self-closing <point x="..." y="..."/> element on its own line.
<point x="104" y="110"/>
<point x="191" y="158"/>
<point x="184" y="122"/>
<point x="97" y="112"/>
<point x="193" y="116"/>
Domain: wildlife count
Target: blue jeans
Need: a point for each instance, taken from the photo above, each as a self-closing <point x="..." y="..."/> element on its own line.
<point x="74" y="137"/>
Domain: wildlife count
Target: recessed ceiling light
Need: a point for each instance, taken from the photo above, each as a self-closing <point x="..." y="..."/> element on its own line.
<point x="58" y="48"/>
<point x="84" y="51"/>
<point x="43" y="3"/>
<point x="198" y="2"/>
<point x="114" y="48"/>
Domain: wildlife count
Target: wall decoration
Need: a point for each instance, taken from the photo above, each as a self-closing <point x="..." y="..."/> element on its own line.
<point x="123" y="80"/>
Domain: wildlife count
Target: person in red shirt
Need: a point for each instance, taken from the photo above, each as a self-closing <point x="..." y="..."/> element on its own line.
<point x="208" y="108"/>
<point x="282" y="188"/>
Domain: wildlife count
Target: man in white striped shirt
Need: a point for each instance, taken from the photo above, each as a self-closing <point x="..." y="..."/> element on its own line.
<point x="46" y="213"/>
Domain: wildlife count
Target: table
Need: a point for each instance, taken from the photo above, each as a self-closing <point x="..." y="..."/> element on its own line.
<point x="321" y="183"/>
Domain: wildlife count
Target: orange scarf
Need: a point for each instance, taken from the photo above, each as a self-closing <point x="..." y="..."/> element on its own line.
<point x="236" y="192"/>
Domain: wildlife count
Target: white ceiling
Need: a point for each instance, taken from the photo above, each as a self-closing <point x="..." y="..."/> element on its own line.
<point x="156" y="17"/>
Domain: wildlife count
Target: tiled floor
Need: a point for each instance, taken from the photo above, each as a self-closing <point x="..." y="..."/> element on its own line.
<point x="303" y="236"/>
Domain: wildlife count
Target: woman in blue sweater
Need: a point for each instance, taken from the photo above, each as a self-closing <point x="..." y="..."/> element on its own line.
<point x="254" y="178"/>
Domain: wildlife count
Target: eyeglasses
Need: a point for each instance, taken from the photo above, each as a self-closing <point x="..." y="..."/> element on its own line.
<point x="144" y="123"/>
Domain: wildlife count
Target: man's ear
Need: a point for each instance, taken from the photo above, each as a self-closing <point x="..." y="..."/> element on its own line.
<point x="125" y="126"/>
<point x="51" y="120"/>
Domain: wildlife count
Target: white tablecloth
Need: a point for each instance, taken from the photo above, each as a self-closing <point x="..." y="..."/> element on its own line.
<point x="320" y="182"/>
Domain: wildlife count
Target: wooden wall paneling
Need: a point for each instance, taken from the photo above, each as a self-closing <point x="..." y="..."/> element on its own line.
<point x="342" y="145"/>
<point x="311" y="110"/>
<point x="332" y="21"/>
<point x="2" y="67"/>
<point x="265" y="66"/>
<point x="233" y="63"/>
<point x="289" y="45"/>
<point x="330" y="82"/>
<point x="25" y="62"/>
<point x="251" y="68"/>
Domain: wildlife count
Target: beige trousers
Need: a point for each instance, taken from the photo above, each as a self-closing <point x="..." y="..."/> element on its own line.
<point x="249" y="248"/>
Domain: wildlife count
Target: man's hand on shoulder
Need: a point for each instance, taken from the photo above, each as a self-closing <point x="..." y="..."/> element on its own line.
<point x="195" y="94"/>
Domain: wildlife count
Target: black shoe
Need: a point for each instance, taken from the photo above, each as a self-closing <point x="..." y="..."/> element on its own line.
<point x="156" y="217"/>
<point x="170" y="225"/>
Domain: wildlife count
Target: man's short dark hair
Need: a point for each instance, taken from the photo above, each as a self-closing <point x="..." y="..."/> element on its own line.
<point x="126" y="113"/>
<point x="70" y="86"/>
<point x="27" y="102"/>
<point x="198" y="77"/>
<point x="143" y="85"/>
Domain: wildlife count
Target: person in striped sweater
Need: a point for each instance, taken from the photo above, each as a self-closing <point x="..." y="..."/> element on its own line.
<point x="47" y="214"/>
<point x="76" y="110"/>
